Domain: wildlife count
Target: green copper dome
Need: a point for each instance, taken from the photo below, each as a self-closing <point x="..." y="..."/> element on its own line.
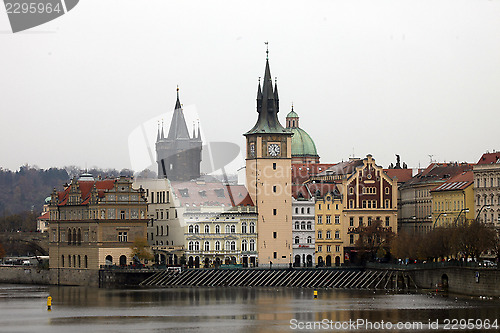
<point x="292" y="114"/>
<point x="302" y="144"/>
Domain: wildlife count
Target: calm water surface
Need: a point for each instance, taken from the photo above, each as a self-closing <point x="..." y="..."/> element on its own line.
<point x="76" y="309"/>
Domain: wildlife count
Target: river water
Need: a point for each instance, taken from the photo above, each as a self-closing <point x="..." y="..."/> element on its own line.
<point x="23" y="308"/>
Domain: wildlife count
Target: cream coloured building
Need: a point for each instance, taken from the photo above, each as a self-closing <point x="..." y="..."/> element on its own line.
<point x="487" y="188"/>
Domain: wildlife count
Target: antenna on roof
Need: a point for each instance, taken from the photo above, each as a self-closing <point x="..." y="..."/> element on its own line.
<point x="430" y="157"/>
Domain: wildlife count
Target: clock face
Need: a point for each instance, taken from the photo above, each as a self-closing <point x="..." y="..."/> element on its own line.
<point x="273" y="149"/>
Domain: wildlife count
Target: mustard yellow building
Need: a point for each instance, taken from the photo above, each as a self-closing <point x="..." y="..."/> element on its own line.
<point x="453" y="201"/>
<point x="330" y="235"/>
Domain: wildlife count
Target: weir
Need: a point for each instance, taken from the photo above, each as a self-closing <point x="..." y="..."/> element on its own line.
<point x="349" y="277"/>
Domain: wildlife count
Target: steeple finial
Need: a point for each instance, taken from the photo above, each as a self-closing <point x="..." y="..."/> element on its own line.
<point x="158" y="135"/>
<point x="267" y="50"/>
<point x="178" y="103"/>
<point x="194" y="130"/>
<point x="199" y="131"/>
<point x="162" y="133"/>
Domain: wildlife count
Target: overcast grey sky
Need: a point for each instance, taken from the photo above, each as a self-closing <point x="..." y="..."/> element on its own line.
<point x="381" y="77"/>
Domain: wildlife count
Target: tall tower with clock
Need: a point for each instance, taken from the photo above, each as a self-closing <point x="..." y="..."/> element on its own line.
<point x="268" y="176"/>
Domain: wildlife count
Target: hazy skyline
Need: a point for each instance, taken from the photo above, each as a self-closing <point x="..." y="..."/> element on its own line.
<point x="413" y="78"/>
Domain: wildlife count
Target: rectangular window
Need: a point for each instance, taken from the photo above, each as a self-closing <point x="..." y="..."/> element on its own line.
<point x="122" y="236"/>
<point x="364" y="203"/>
<point x="122" y="215"/>
<point x="275" y="234"/>
<point x="275" y="255"/>
<point x="320" y="248"/>
<point x="360" y="221"/>
<point x="275" y="211"/>
<point x="328" y="219"/>
<point x="337" y="219"/>
<point x="387" y="220"/>
<point x="320" y="219"/>
<point x="351" y="221"/>
<point x="152" y="197"/>
<point x="274" y="166"/>
<point x="351" y="239"/>
<point x="369" y="220"/>
<point x="337" y="248"/>
<point x="274" y="188"/>
<point x="319" y="207"/>
<point x="351" y="203"/>
<point x="328" y="248"/>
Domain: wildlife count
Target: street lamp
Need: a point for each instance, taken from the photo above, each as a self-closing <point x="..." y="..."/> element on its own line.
<point x="466" y="210"/>
<point x="434" y="225"/>
<point x="487" y="207"/>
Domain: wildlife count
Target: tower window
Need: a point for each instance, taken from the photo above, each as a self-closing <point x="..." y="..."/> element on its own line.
<point x="275" y="234"/>
<point x="274" y="166"/>
<point x="274" y="188"/>
<point x="275" y="211"/>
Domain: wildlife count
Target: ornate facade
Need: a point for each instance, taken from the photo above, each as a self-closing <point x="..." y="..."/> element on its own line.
<point x="487" y="188"/>
<point x="94" y="223"/>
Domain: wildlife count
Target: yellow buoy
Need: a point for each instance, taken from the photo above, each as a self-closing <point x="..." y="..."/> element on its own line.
<point x="49" y="303"/>
<point x="315" y="294"/>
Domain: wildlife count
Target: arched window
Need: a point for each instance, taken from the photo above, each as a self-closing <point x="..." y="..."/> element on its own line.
<point x="79" y="237"/>
<point x="86" y="261"/>
<point x="309" y="240"/>
<point x="227" y="246"/>
<point x="328" y="235"/>
<point x="296" y="240"/>
<point x="228" y="228"/>
<point x="217" y="246"/>
<point x="309" y="225"/>
<point x="297" y="225"/>
<point x="252" y="227"/>
<point x="337" y="234"/>
<point x="69" y="261"/>
<point x="233" y="246"/>
<point x="207" y="229"/>
<point x="190" y="246"/>
<point x="320" y="234"/>
<point x="233" y="229"/>
<point x="303" y="225"/>
<point x="69" y="236"/>
<point x="62" y="261"/>
<point x="79" y="262"/>
<point x="197" y="246"/>
<point x="244" y="228"/>
<point x="74" y="239"/>
<point x="217" y="229"/>
<point x="161" y="229"/>
<point x="244" y="246"/>
<point x="302" y="210"/>
<point x="308" y="210"/>
<point x="252" y="244"/>
<point x="296" y="210"/>
<point x="196" y="229"/>
<point x="190" y="229"/>
<point x="206" y="246"/>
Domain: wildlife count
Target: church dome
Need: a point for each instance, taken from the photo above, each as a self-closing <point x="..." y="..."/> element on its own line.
<point x="302" y="144"/>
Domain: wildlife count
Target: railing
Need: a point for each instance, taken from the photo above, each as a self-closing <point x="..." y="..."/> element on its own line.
<point x="429" y="265"/>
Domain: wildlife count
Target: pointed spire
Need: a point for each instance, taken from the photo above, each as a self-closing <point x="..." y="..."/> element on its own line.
<point x="199" y="131"/>
<point x="178" y="103"/>
<point x="194" y="130"/>
<point x="162" y="132"/>
<point x="276" y="98"/>
<point x="158" y="135"/>
<point x="178" y="128"/>
<point x="267" y="105"/>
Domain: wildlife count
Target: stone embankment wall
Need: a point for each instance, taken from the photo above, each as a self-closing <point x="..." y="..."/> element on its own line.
<point x="32" y="275"/>
<point x="461" y="280"/>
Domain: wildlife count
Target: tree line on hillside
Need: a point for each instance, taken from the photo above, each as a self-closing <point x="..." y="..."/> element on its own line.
<point x="23" y="192"/>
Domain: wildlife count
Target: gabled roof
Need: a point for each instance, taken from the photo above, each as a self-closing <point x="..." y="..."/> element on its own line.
<point x="86" y="189"/>
<point x="301" y="172"/>
<point x="458" y="182"/>
<point x="489" y="158"/>
<point x="343" y="168"/>
<point x="438" y="172"/>
<point x="402" y="175"/>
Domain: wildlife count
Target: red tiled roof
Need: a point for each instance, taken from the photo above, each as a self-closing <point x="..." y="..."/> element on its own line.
<point x="313" y="188"/>
<point x="44" y="216"/>
<point x="211" y="194"/>
<point x="302" y="172"/>
<point x="437" y="172"/>
<point x="86" y="189"/>
<point x="459" y="182"/>
<point x="489" y="158"/>
<point x="402" y="175"/>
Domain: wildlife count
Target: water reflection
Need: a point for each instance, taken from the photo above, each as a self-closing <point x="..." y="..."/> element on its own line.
<point x="22" y="308"/>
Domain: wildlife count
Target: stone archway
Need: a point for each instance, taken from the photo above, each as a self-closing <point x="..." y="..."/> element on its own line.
<point x="328" y="261"/>
<point x="109" y="260"/>
<point x="123" y="260"/>
<point x="296" y="262"/>
<point x="337" y="261"/>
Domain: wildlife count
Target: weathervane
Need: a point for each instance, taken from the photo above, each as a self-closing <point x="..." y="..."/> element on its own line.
<point x="267" y="50"/>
